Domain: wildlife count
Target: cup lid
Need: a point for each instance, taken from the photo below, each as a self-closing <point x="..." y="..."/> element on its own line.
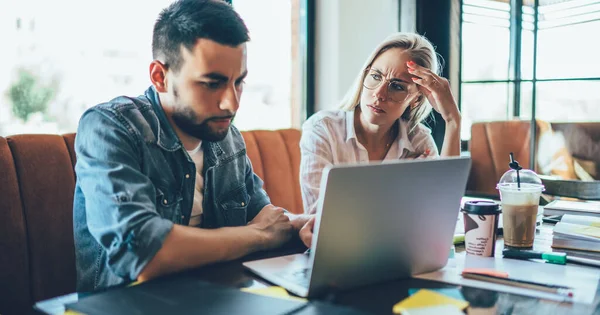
<point x="481" y="207"/>
<point x="526" y="179"/>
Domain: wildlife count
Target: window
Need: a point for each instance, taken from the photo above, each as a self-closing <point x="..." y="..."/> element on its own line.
<point x="267" y="99"/>
<point x="58" y="64"/>
<point x="513" y="66"/>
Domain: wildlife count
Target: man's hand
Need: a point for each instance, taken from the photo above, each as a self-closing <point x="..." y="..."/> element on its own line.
<point x="274" y="226"/>
<point x="304" y="225"/>
<point x="306" y="232"/>
<point x="298" y="220"/>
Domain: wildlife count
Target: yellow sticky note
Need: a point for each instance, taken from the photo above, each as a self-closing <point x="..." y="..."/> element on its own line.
<point x="72" y="312"/>
<point x="424" y="298"/>
<point x="273" y="291"/>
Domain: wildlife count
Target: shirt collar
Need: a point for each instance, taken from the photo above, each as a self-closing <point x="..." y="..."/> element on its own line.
<point x="403" y="140"/>
<point x="167" y="138"/>
<point x="350" y="132"/>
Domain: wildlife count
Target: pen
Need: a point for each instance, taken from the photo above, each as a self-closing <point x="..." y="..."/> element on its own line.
<point x="550" y="288"/>
<point x="551" y="257"/>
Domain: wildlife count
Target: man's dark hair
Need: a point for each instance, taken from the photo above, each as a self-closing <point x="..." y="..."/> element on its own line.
<point x="185" y="21"/>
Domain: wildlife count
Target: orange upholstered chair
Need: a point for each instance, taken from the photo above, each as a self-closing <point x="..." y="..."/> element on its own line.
<point x="490" y="146"/>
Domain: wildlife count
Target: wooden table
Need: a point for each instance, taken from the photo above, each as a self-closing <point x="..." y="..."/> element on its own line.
<point x="380" y="298"/>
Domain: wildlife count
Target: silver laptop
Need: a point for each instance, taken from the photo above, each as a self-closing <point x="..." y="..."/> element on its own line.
<point x="375" y="222"/>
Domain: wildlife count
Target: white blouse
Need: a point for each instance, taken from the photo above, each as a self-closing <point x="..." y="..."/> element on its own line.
<point x="328" y="137"/>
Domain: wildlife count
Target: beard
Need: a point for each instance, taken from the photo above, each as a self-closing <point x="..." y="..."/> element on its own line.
<point x="186" y="119"/>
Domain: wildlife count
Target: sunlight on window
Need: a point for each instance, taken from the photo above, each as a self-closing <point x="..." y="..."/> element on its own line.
<point x="58" y="64"/>
<point x="568" y="101"/>
<point x="485" y="40"/>
<point x="83" y="59"/>
<point x="266" y="101"/>
<point x="485" y="52"/>
<point x="482" y="102"/>
<point x="568" y="51"/>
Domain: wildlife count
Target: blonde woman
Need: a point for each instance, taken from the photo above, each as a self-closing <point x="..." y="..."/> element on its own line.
<point x="381" y="116"/>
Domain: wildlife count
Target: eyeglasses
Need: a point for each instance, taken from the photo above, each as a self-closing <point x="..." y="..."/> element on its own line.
<point x="373" y="79"/>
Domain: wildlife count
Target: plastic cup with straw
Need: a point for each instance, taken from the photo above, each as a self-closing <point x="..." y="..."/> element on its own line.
<point x="520" y="191"/>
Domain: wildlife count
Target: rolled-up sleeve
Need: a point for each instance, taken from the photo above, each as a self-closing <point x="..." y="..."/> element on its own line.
<point x="119" y="199"/>
<point x="316" y="154"/>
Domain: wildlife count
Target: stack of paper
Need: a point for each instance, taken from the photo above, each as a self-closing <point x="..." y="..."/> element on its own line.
<point x="577" y="232"/>
<point x="560" y="207"/>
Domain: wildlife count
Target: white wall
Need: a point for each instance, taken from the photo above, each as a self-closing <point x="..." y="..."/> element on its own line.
<point x="346" y="33"/>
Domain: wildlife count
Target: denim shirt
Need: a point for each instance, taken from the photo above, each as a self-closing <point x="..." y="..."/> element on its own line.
<point x="135" y="180"/>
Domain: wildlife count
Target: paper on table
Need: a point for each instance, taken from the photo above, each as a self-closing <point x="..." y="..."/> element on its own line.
<point x="434" y="310"/>
<point x="273" y="291"/>
<point x="56" y="305"/>
<point x="581" y="219"/>
<point x="583" y="280"/>
<point x="585" y="232"/>
<point x="427" y="298"/>
<point x="449" y="292"/>
<point x="580" y="206"/>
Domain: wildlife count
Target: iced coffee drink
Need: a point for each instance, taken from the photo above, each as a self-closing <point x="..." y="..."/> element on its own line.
<point x="520" y="191"/>
<point x="519" y="213"/>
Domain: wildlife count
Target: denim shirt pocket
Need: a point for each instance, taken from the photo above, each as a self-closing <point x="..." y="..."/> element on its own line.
<point x="234" y="206"/>
<point x="168" y="204"/>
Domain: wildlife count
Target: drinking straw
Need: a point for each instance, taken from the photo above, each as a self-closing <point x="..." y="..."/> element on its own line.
<point x="515" y="166"/>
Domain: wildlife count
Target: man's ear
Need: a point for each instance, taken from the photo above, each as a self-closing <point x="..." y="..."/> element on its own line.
<point x="158" y="76"/>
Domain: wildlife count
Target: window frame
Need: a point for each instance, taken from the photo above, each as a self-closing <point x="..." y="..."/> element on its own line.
<point x="514" y="71"/>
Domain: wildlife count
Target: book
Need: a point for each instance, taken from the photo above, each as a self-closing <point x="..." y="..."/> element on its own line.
<point x="581" y="220"/>
<point x="578" y="233"/>
<point x="561" y="207"/>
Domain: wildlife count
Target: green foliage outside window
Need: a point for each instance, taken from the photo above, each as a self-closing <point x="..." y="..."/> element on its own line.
<point x="28" y="95"/>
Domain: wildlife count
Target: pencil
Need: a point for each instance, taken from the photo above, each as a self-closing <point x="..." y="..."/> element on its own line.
<point x="550" y="288"/>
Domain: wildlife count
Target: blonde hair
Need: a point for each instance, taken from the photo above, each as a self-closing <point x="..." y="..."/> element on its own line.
<point x="421" y="51"/>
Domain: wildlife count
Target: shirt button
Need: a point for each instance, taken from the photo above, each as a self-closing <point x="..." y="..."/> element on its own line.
<point x="182" y="217"/>
<point x="187" y="175"/>
<point x="243" y="204"/>
<point x="165" y="201"/>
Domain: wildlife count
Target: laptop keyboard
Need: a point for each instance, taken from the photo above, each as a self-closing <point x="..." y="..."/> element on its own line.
<point x="298" y="276"/>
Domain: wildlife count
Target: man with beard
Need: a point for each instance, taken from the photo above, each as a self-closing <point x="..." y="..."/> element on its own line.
<point x="163" y="180"/>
